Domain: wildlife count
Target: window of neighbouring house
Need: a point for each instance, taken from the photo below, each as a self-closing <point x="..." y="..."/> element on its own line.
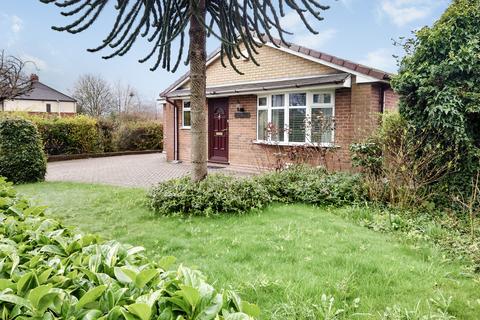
<point x="296" y="117"/>
<point x="186" y="115"/>
<point x="49" y="107"/>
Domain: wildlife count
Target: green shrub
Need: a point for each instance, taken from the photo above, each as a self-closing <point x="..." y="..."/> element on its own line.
<point x="49" y="271"/>
<point x="401" y="166"/>
<point x="439" y="87"/>
<point x="226" y="194"/>
<point x="143" y="135"/>
<point x="313" y="185"/>
<point x="215" y="194"/>
<point x="69" y="135"/>
<point x="21" y="154"/>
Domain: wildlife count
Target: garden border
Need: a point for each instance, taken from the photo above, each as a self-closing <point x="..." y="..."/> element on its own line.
<point x="64" y="157"/>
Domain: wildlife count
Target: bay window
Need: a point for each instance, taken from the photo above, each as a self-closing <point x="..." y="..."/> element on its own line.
<point x="296" y="117"/>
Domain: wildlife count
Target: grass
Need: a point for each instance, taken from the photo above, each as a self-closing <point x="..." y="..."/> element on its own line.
<point x="283" y="258"/>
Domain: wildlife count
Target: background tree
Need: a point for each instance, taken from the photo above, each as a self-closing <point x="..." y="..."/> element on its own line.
<point x="94" y="96"/>
<point x="13" y="79"/>
<point x="126" y="97"/>
<point x="241" y="26"/>
<point x="439" y="85"/>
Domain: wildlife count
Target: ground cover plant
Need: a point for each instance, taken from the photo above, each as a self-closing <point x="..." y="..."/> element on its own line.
<point x="294" y="261"/>
<point x="49" y="271"/>
<point x="21" y="151"/>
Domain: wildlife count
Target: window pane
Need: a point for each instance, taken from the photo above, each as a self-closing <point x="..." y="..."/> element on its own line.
<point x="186" y="105"/>
<point x="297" y="125"/>
<point x="262" y="124"/>
<point x="322" y="125"/>
<point x="278" y="125"/>
<point x="322" y="98"/>
<point x="186" y="119"/>
<point x="297" y="99"/>
<point x="278" y="100"/>
<point x="262" y="101"/>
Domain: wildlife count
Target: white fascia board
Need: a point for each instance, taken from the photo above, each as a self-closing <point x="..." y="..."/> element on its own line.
<point x="210" y="61"/>
<point x="346" y="84"/>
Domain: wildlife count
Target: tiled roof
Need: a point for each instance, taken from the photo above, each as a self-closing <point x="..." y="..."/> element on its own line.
<point x="43" y="92"/>
<point x="355" y="67"/>
<point x="264" y="86"/>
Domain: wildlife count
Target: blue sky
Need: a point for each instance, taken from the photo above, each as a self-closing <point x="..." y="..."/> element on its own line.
<point x="359" y="30"/>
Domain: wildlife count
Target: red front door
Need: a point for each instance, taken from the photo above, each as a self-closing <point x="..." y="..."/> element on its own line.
<point x="218" y="130"/>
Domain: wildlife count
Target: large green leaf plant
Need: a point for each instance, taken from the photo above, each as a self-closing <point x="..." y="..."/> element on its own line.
<point x="49" y="271"/>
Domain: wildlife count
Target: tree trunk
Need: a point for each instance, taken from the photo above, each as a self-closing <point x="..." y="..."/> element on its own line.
<point x="198" y="60"/>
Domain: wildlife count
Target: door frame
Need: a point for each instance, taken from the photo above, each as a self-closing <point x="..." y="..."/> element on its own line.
<point x="210" y="130"/>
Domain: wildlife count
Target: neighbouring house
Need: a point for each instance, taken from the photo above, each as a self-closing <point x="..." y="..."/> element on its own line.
<point x="41" y="99"/>
<point x="254" y="118"/>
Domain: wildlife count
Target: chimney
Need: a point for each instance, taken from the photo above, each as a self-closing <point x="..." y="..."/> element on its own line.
<point x="34" y="77"/>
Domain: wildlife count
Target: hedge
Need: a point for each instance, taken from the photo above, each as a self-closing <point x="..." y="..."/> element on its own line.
<point x="21" y="153"/>
<point x="49" y="271"/>
<point x="83" y="134"/>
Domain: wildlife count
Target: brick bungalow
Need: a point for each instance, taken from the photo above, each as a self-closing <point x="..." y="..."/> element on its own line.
<point x="291" y="85"/>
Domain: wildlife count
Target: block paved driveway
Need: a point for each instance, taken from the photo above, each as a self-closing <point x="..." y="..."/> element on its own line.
<point x="141" y="171"/>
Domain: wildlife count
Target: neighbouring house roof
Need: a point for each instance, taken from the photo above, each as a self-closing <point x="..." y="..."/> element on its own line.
<point x="251" y="87"/>
<point x="43" y="92"/>
<point x="335" y="62"/>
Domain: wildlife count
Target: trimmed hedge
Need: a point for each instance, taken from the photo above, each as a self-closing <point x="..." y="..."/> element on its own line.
<point x="49" y="271"/>
<point x="21" y="152"/>
<point x="83" y="134"/>
<point x="138" y="136"/>
<point x="69" y="135"/>
<point x="219" y="194"/>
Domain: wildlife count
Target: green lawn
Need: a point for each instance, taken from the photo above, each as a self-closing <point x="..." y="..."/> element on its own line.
<point x="283" y="258"/>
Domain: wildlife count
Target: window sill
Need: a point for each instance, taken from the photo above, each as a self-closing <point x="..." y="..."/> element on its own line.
<point x="185" y="128"/>
<point x="291" y="144"/>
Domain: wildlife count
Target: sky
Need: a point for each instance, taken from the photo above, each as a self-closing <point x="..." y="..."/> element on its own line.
<point x="359" y="30"/>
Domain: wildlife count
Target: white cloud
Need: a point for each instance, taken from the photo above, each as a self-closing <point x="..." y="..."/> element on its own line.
<point x="34" y="63"/>
<point x="403" y="12"/>
<point x="381" y="59"/>
<point x="16" y="24"/>
<point x="291" y="21"/>
<point x="315" y="40"/>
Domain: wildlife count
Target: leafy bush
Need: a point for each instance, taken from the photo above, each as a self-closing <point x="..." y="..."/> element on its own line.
<point x="215" y="194"/>
<point x="83" y="134"/>
<point x="400" y="165"/>
<point x="314" y="185"/>
<point x="226" y="194"/>
<point x="69" y="135"/>
<point x="21" y="153"/>
<point x="439" y="86"/>
<point x="145" y="135"/>
<point x="49" y="271"/>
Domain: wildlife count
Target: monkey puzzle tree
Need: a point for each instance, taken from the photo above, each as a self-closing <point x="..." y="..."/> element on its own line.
<point x="242" y="26"/>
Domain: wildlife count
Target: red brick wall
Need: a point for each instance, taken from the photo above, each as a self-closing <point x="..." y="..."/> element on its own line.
<point x="391" y="100"/>
<point x="357" y="113"/>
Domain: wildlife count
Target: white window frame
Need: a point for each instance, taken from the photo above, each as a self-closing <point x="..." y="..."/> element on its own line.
<point x="184" y="109"/>
<point x="330" y="105"/>
<point x="308" y="113"/>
